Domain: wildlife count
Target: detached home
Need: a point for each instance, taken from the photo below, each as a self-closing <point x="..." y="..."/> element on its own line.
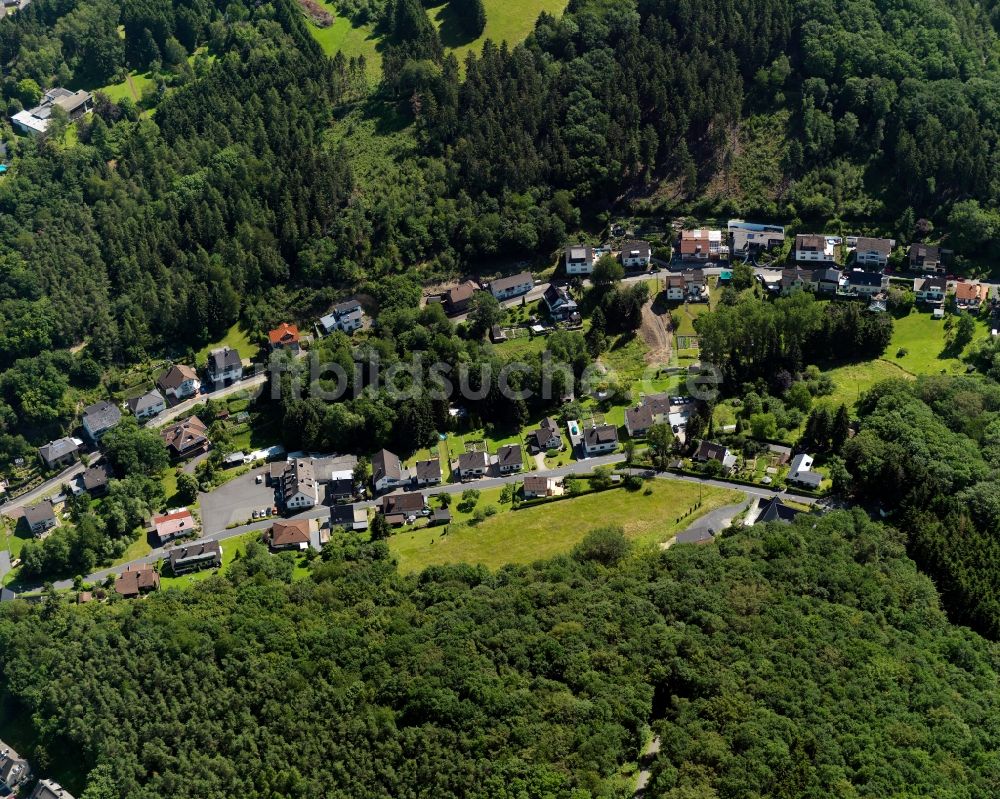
<point x="752" y="237"/>
<point x="136" y="580"/>
<point x="173" y="524"/>
<point x="350" y="517"/>
<point x="96" y="480"/>
<point x="800" y="472"/>
<point x="636" y="254"/>
<point x="186" y="438"/>
<point x="179" y="382"/>
<point x="825" y="281"/>
<point x="196" y="556"/>
<point x="99" y="418"/>
<point x="514" y="286"/>
<point x="546" y="437"/>
<point x="970" y="296"/>
<point x="931" y="289"/>
<point x="814" y="248"/>
<point x="299" y="489"/>
<point x="148" y="405"/>
<point x="866" y="284"/>
<point x="702" y="245"/>
<point x="710" y="451"/>
<point x="284" y="337"/>
<point x="387" y="471"/>
<point x="579" y="259"/>
<point x="676" y="288"/>
<point x="347" y="316"/>
<point x="427" y="473"/>
<point x="403" y="504"/>
<point x="472" y="465"/>
<point x="34" y="121"/>
<point x="926" y="258"/>
<point x="600" y="440"/>
<point x="224" y="366"/>
<point x="794" y="280"/>
<point x="40" y="517"/>
<point x="458" y="297"/>
<point x="59" y="453"/>
<point x="510" y="459"/>
<point x="537" y="486"/>
<point x="873" y="253"/>
<point x="561" y="306"/>
<point x="289" y="535"/>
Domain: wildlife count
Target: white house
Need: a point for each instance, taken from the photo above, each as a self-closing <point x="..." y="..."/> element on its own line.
<point x="800" y="472"/>
<point x="225" y="366"/>
<point x="34" y="121"/>
<point x="579" y="260"/>
<point x="873" y="252"/>
<point x="299" y="487"/>
<point x="147" y="405"/>
<point x="600" y="440"/>
<point x="506" y="287"/>
<point x="931" y="289"/>
<point x="814" y="248"/>
<point x="179" y="382"/>
<point x="347" y="316"/>
<point x="676" y="288"/>
<point x="387" y="471"/>
<point x="561" y="306"/>
<point x="472" y="464"/>
<point x="866" y="284"/>
<point x="702" y="245"/>
<point x="636" y="254"/>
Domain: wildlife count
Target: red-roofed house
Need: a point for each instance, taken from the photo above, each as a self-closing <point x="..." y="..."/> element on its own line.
<point x="284" y="337"/>
<point x="174" y="524"/>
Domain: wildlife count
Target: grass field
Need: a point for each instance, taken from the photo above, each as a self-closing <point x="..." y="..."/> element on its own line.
<point x="119" y="91"/>
<point x="544" y="531"/>
<point x="924" y="339"/>
<point x="850" y="382"/>
<point x="688" y="313"/>
<point x="237" y="338"/>
<point x="506" y="20"/>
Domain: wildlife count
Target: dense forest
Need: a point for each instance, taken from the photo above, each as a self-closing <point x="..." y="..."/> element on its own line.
<point x="806" y="660"/>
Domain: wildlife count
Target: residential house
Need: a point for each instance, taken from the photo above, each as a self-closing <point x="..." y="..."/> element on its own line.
<point x="825" y="281"/>
<point x="814" y="248"/>
<point x="514" y="286"/>
<point x="873" y="253"/>
<point x="638" y="420"/>
<point x="459" y="297"/>
<point x="350" y="517"/>
<point x="676" y="288"/>
<point x="710" y="451"/>
<point x="403" y="504"/>
<point x="340" y="487"/>
<point x="292" y="534"/>
<point x="284" y="337"/>
<point x="931" y="289"/>
<point x="50" y="789"/>
<point x="387" y="471"/>
<point x="560" y="304"/>
<point x="34" y="121"/>
<point x="537" y="486"/>
<point x="14" y="770"/>
<point x="147" y="405"/>
<point x="427" y="473"/>
<point x="472" y="464"/>
<point x="579" y="259"/>
<point x="59" y="453"/>
<point x="774" y="510"/>
<point x="748" y="238"/>
<point x="695" y="286"/>
<point x="702" y="245"/>
<point x="636" y="254"/>
<point x="600" y="440"/>
<point x="970" y="296"/>
<point x="800" y="472"/>
<point x="926" y="258"/>
<point x="794" y="280"/>
<point x="347" y="316"/>
<point x="299" y="489"/>
<point x="179" y="382"/>
<point x="96" y="480"/>
<point x="510" y="459"/>
<point x="173" y="524"/>
<point x="866" y="284"/>
<point x="99" y="418"/>
<point x="40" y="517"/>
<point x="186" y="438"/>
<point x="547" y="437"/>
<point x="224" y="366"/>
<point x="137" y="579"/>
<point x="195" y="556"/>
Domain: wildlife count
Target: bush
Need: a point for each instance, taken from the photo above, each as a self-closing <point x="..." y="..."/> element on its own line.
<point x="605" y="545"/>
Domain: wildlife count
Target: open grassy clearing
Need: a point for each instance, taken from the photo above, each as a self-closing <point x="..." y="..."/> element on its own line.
<point x="925" y="341"/>
<point x="506" y="20"/>
<point x="237" y="338"/>
<point x="850" y="382"/>
<point x="547" y="530"/>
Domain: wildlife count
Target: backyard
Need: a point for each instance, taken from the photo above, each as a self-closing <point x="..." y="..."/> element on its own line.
<point x="543" y="531"/>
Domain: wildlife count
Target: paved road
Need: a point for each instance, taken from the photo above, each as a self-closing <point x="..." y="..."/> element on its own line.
<point x="4" y="564"/>
<point x="45" y="488"/>
<point x="247" y="384"/>
<point x="577" y="467"/>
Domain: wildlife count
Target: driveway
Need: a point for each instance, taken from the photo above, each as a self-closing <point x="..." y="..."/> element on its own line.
<point x="247" y="384"/>
<point x="48" y="487"/>
<point x="235" y="502"/>
<point x="709" y="525"/>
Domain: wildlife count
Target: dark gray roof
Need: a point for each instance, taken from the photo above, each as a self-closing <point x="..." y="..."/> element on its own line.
<point x="507" y="283"/>
<point x="141" y="404"/>
<point x="709" y="450"/>
<point x="199" y="550"/>
<point x="628" y="247"/>
<point x="102" y="415"/>
<point x="41" y="512"/>
<point x="468" y="461"/>
<point x="858" y="278"/>
<point x="600" y="434"/>
<point x="826" y="276"/>
<point x="510" y="455"/>
<point x="386" y="464"/>
<point x="429" y="470"/>
<point x="881" y="246"/>
<point x="776" y="511"/>
<point x="57" y="449"/>
<point x="96" y="477"/>
<point x="223" y="359"/>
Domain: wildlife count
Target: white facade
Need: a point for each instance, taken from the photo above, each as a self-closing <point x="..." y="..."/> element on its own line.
<point x="579" y="260"/>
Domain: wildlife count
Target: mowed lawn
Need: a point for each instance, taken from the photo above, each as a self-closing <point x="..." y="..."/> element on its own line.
<point x="924" y="339"/>
<point x="850" y="382"/>
<point x="351" y="40"/>
<point x="544" y="531"/>
<point x="237" y="338"/>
